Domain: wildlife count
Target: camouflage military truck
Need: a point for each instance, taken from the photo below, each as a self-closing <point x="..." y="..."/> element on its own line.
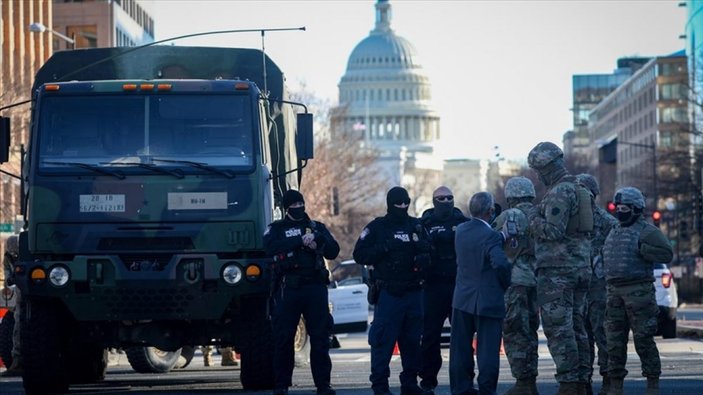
<point x="148" y="181"/>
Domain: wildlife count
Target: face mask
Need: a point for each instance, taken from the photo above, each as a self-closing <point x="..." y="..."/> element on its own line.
<point x="443" y="209"/>
<point x="398" y="212"/>
<point x="626" y="219"/>
<point x="296" y="213"/>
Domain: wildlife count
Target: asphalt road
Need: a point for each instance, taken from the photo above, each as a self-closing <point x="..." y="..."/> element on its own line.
<point x="681" y="364"/>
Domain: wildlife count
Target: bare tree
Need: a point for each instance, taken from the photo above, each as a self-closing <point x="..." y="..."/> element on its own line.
<point x="13" y="93"/>
<point x="342" y="186"/>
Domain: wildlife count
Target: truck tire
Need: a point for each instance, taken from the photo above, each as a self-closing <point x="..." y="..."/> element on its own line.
<point x="187" y="354"/>
<point x="88" y="363"/>
<point x="151" y="359"/>
<point x="301" y="345"/>
<point x="43" y="348"/>
<point x="668" y="329"/>
<point x="256" y="371"/>
<point x="6" y="327"/>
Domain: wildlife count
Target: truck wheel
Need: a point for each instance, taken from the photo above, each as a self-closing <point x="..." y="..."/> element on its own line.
<point x="187" y="353"/>
<point x="256" y="371"/>
<point x="668" y="329"/>
<point x="43" y="348"/>
<point x="6" y="327"/>
<point x="88" y="363"/>
<point x="301" y="345"/>
<point x="151" y="359"/>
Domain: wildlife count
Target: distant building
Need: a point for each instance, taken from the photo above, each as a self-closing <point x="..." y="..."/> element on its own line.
<point x="384" y="95"/>
<point x="464" y="177"/>
<point x="642" y="134"/>
<point x="588" y="91"/>
<point x="694" y="52"/>
<point x="21" y="54"/>
<point x="103" y="23"/>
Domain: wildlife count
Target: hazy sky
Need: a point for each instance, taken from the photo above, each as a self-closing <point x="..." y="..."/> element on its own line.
<point x="500" y="70"/>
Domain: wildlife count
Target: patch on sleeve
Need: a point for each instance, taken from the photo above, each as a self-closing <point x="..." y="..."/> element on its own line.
<point x="268" y="229"/>
<point x="364" y="233"/>
<point x="555" y="211"/>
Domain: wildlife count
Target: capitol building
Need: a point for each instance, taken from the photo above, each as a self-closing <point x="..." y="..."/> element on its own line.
<point x="386" y="96"/>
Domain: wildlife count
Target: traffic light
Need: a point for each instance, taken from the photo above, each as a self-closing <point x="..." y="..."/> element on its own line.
<point x="656" y="217"/>
<point x="610" y="207"/>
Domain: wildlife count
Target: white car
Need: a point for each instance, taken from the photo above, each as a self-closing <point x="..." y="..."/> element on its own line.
<point x="348" y="298"/>
<point x="667" y="300"/>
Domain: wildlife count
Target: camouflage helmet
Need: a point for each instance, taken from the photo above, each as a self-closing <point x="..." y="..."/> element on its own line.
<point x="630" y="196"/>
<point x="589" y="182"/>
<point x="519" y="187"/>
<point x="543" y="154"/>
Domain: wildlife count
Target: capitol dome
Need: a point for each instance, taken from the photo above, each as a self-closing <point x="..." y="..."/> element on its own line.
<point x="385" y="92"/>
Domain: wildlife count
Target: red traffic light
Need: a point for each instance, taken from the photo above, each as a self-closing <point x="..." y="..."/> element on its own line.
<point x="611" y="207"/>
<point x="657" y="216"/>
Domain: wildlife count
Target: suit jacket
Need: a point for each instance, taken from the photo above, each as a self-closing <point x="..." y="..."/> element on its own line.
<point x="483" y="271"/>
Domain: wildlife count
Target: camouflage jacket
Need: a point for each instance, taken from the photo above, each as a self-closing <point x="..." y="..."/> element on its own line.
<point x="519" y="250"/>
<point x="603" y="222"/>
<point x="554" y="246"/>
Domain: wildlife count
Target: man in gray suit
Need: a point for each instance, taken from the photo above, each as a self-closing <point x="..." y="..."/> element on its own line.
<point x="483" y="275"/>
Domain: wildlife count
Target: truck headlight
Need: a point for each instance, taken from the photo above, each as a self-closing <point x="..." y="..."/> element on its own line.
<point x="59" y="276"/>
<point x="232" y="274"/>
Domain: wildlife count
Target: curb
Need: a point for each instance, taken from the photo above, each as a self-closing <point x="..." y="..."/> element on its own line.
<point x="690" y="332"/>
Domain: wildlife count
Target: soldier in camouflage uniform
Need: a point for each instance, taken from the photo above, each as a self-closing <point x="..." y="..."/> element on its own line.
<point x="562" y="250"/>
<point x="629" y="254"/>
<point x="603" y="222"/>
<point x="521" y="320"/>
<point x="11" y="253"/>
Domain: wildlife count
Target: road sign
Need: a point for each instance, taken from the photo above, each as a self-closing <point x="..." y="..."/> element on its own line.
<point x="6" y="227"/>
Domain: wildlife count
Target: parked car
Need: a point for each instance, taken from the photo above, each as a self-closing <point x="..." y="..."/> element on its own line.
<point x="347" y="297"/>
<point x="667" y="300"/>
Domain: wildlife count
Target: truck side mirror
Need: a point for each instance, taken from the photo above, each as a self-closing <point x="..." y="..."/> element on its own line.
<point x="303" y="137"/>
<point x="4" y="139"/>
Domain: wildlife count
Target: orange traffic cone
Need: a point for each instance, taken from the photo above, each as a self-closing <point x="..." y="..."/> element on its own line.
<point x="3" y="311"/>
<point x="396" y="350"/>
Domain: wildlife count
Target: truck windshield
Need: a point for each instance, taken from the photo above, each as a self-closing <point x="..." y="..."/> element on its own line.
<point x="106" y="130"/>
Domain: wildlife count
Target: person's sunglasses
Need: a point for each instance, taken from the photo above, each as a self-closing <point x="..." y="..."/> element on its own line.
<point x="445" y="198"/>
<point x="401" y="203"/>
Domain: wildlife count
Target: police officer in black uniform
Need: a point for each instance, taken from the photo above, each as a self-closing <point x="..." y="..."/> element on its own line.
<point x="440" y="223"/>
<point x="298" y="245"/>
<point x="396" y="246"/>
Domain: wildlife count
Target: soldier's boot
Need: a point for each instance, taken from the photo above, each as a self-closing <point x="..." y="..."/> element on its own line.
<point x="571" y="388"/>
<point x="587" y="388"/>
<point x="228" y="357"/>
<point x="605" y="386"/>
<point x="207" y="359"/>
<point x="616" y="384"/>
<point x="523" y="387"/>
<point x="652" y="386"/>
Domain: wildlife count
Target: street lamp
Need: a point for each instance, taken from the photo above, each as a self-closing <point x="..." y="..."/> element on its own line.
<point x="653" y="147"/>
<point x="38" y="27"/>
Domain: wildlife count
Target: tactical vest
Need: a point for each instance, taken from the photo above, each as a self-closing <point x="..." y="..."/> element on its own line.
<point x="398" y="265"/>
<point x="443" y="266"/>
<point x="581" y="221"/>
<point x="621" y="258"/>
<point x="306" y="262"/>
